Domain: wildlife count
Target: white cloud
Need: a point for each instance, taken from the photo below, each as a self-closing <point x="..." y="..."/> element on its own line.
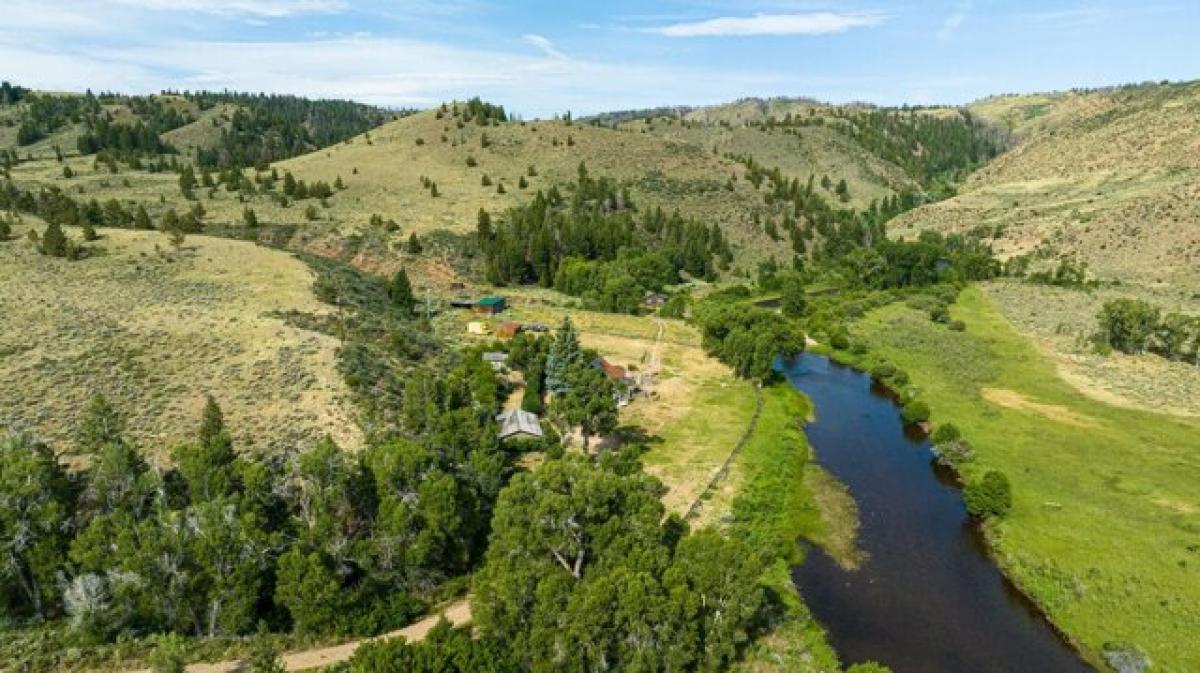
<point x="955" y="20"/>
<point x="399" y="72"/>
<point x="544" y="44"/>
<point x="812" y="23"/>
<point x="260" y="8"/>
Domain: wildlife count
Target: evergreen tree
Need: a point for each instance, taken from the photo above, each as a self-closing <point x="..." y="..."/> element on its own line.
<point x="250" y="218"/>
<point x="141" y="218"/>
<point x="36" y="505"/>
<point x="400" y="292"/>
<point x="187" y="181"/>
<point x="101" y="425"/>
<point x="564" y="353"/>
<point x="414" y="244"/>
<point x="54" y="241"/>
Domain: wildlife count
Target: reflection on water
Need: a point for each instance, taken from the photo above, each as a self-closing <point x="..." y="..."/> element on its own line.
<point x="928" y="599"/>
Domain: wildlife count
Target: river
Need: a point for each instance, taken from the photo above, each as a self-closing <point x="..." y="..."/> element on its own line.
<point x="928" y="599"/>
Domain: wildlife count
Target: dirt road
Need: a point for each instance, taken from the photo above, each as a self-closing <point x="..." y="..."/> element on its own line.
<point x="455" y="613"/>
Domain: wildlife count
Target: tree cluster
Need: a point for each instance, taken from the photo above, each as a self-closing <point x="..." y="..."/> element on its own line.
<point x="593" y="244"/>
<point x="1136" y="326"/>
<point x="268" y="128"/>
<point x="318" y="540"/>
<point x="585" y="572"/>
<point x="745" y="337"/>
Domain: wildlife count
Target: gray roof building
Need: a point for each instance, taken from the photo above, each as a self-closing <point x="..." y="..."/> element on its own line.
<point x="519" y="422"/>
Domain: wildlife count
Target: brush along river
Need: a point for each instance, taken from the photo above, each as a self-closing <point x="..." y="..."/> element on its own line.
<point x="927" y="599"/>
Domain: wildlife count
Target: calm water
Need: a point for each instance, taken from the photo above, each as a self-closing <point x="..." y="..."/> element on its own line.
<point x="928" y="599"/>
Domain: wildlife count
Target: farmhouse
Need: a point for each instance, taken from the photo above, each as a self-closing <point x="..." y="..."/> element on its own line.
<point x="519" y="423"/>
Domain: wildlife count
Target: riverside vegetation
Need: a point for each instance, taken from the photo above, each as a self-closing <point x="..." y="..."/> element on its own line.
<point x="573" y="546"/>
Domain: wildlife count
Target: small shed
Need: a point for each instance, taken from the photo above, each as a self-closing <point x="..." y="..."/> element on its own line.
<point x="508" y="330"/>
<point x="490" y="305"/>
<point x="519" y="423"/>
<point x="477" y="328"/>
<point x="497" y="359"/>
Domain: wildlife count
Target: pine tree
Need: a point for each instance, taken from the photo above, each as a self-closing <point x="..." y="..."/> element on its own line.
<point x="401" y="293"/>
<point x="101" y="426"/>
<point x="414" y="244"/>
<point x="289" y="184"/>
<point x="54" y="241"/>
<point x="89" y="231"/>
<point x="250" y="218"/>
<point x="187" y="181"/>
<point x="564" y="352"/>
<point x="212" y="422"/>
<point x="141" y="219"/>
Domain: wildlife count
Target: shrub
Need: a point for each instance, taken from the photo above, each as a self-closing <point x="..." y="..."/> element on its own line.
<point x="840" y="339"/>
<point x="883" y="372"/>
<point x="946" y="432"/>
<point x="958" y="325"/>
<point x="915" y="411"/>
<point x="990" y="496"/>
<point x="953" y="453"/>
<point x="1126" y="658"/>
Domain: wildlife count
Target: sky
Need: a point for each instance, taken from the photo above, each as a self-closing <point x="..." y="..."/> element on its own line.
<point x="540" y="58"/>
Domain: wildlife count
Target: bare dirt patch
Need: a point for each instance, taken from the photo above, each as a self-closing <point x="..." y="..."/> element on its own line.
<point x="1014" y="400"/>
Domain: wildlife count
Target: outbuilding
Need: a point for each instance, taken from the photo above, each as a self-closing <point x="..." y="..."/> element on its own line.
<point x="490" y="305"/>
<point x="508" y="330"/>
<point x="497" y="359"/>
<point x="519" y="423"/>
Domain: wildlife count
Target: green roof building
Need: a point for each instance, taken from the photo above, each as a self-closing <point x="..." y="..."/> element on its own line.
<point x="490" y="304"/>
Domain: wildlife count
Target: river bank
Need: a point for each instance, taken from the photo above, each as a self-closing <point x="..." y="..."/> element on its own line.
<point x="1103" y="517"/>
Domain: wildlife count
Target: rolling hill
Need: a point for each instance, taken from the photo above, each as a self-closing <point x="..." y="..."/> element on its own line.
<point x="154" y="330"/>
<point x="1110" y="177"/>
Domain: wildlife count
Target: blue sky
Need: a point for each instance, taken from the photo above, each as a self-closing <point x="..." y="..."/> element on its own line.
<point x="541" y="57"/>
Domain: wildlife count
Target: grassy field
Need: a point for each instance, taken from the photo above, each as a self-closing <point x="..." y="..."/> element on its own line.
<point x="154" y="330"/>
<point x="1060" y="321"/>
<point x="1105" y="531"/>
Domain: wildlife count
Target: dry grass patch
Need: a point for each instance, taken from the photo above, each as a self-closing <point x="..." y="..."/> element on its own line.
<point x="1059" y="321"/>
<point x="155" y="330"/>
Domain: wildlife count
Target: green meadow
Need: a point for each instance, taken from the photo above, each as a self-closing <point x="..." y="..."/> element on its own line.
<point x="1105" y="529"/>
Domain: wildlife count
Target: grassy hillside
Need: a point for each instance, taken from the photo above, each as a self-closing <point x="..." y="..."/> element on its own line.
<point x="1103" y="530"/>
<point x="154" y="330"/>
<point x="817" y="151"/>
<point x="1111" y="177"/>
<point x="383" y="174"/>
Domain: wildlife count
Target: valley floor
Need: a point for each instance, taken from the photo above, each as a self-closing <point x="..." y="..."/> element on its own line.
<point x="1105" y="529"/>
